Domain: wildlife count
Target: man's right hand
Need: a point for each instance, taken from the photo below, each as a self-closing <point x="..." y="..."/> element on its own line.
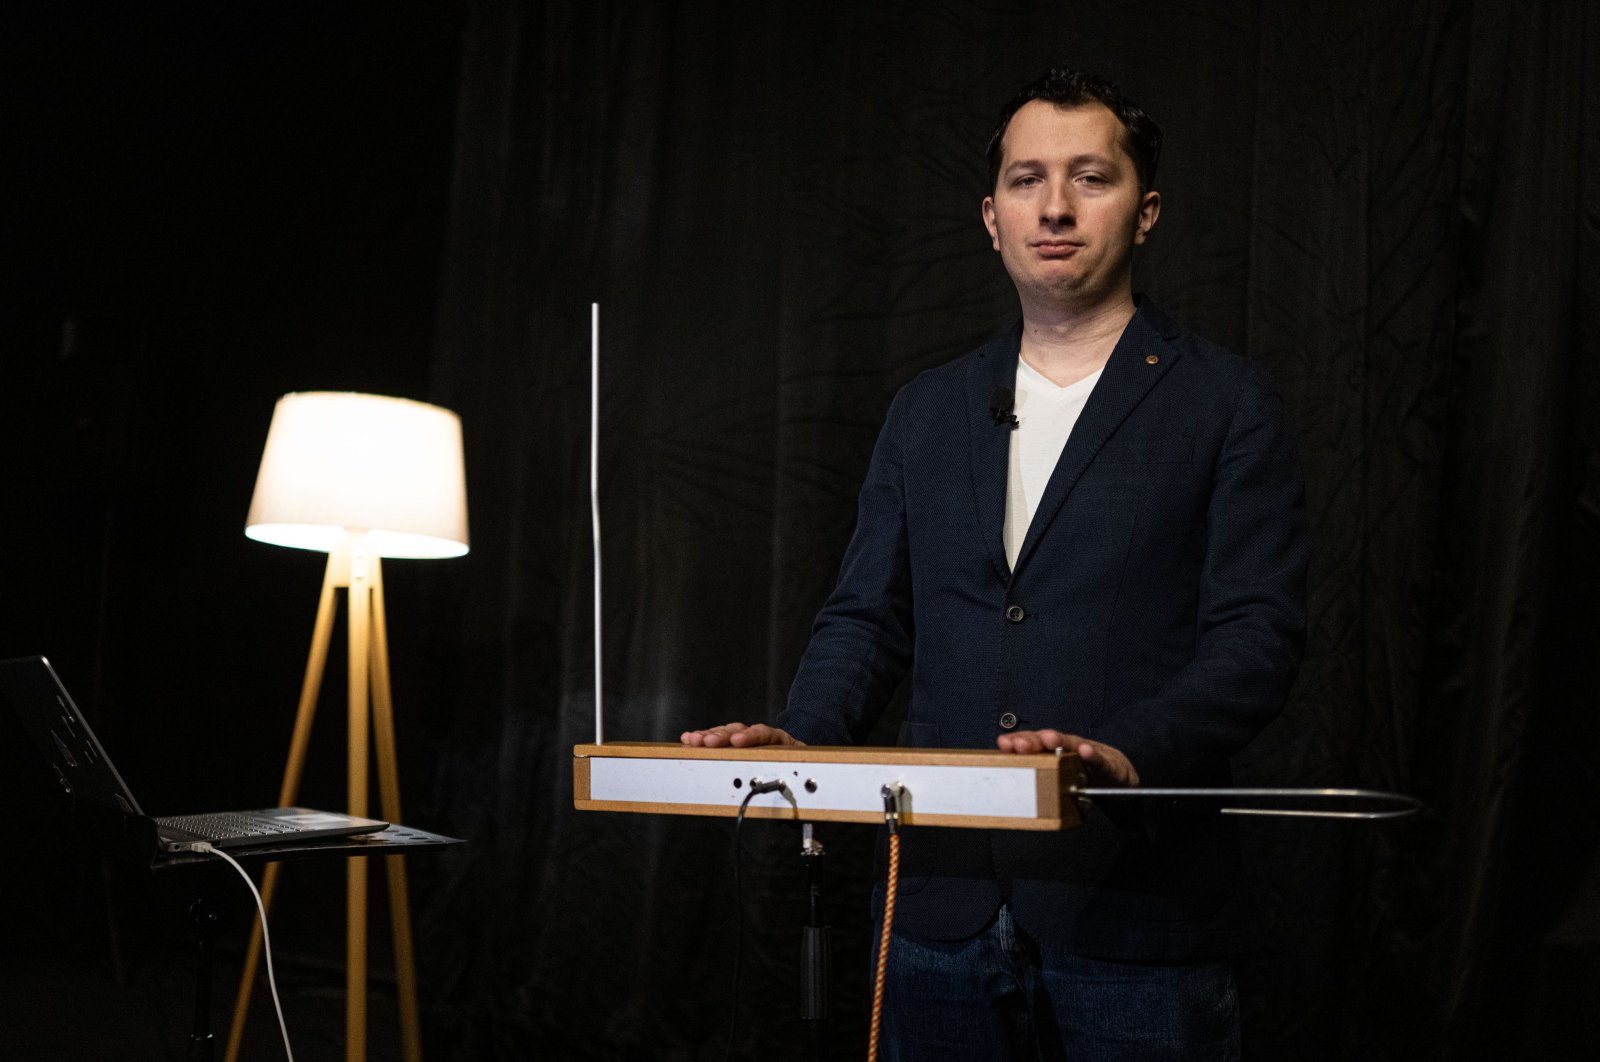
<point x="739" y="736"/>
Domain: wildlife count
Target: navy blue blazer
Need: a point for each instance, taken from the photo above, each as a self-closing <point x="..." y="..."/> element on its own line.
<point x="1157" y="605"/>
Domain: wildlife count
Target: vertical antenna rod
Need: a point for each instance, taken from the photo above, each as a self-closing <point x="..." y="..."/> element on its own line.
<point x="594" y="508"/>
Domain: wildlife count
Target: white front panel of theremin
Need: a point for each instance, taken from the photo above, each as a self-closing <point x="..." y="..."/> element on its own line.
<point x="999" y="792"/>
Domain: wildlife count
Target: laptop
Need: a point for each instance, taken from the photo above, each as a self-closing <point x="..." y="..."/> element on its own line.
<point x="37" y="697"/>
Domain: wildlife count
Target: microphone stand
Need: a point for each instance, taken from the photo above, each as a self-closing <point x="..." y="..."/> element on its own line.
<point x="814" y="956"/>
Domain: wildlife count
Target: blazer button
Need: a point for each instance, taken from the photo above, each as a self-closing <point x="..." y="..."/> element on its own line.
<point x="1015" y="614"/>
<point x="1008" y="721"/>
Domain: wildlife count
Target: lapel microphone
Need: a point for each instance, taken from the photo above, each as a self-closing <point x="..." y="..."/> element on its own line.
<point x="1000" y="404"/>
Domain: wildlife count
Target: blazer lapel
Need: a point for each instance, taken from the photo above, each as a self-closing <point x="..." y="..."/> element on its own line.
<point x="1141" y="357"/>
<point x="995" y="367"/>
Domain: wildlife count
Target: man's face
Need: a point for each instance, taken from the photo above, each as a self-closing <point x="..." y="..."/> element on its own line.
<point x="1066" y="212"/>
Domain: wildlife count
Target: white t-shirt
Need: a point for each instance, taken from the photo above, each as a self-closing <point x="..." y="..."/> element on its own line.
<point x="1045" y="416"/>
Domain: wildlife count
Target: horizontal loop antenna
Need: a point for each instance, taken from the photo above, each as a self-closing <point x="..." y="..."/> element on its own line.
<point x="1284" y="803"/>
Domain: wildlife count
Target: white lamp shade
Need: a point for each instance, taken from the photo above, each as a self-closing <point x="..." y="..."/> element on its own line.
<point x="338" y="464"/>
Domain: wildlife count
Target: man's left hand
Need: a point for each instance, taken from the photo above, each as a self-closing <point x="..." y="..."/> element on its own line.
<point x="1103" y="764"/>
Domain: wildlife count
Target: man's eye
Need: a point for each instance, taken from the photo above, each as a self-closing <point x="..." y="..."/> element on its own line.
<point x="1026" y="179"/>
<point x="1092" y="178"/>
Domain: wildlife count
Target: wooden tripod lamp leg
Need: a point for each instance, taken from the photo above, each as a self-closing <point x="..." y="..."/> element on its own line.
<point x="357" y="569"/>
<point x="389" y="792"/>
<point x="355" y="1004"/>
<point x="335" y="576"/>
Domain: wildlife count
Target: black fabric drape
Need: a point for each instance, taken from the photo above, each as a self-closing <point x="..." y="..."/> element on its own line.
<point x="1392" y="208"/>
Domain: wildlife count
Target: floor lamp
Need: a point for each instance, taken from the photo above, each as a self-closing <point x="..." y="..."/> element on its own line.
<point x="358" y="477"/>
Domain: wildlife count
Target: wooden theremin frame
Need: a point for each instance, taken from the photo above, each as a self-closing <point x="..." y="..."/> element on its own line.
<point x="970" y="788"/>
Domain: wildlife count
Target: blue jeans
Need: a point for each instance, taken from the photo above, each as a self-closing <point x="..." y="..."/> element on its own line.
<point x="1005" y="997"/>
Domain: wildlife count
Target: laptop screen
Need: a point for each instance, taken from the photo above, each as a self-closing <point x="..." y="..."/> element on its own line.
<point x="29" y="686"/>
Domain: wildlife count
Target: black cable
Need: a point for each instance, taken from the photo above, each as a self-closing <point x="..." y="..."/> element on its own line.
<point x="757" y="787"/>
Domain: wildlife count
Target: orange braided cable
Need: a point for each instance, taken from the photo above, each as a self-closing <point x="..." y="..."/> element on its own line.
<point x="883" y="944"/>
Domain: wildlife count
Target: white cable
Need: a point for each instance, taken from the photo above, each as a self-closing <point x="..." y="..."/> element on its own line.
<point x="594" y="506"/>
<point x="266" y="941"/>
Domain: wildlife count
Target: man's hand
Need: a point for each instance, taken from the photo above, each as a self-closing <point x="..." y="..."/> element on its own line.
<point x="739" y="736"/>
<point x="1103" y="764"/>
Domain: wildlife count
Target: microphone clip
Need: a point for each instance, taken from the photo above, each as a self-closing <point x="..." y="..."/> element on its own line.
<point x="1000" y="405"/>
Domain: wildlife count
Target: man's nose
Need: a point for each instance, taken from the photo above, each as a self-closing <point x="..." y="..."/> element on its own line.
<point x="1060" y="207"/>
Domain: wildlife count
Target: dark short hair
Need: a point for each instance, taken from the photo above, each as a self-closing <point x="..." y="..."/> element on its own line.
<point x="1074" y="88"/>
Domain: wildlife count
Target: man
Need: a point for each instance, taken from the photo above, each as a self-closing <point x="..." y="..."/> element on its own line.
<point x="1119" y="570"/>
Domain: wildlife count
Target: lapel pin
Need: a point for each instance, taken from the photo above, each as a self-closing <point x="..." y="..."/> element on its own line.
<point x="1151" y="359"/>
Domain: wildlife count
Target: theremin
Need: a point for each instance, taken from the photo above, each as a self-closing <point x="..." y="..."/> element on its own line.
<point x="971" y="788"/>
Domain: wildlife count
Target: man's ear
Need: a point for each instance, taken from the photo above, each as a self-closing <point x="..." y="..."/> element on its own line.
<point x="988" y="221"/>
<point x="1149" y="210"/>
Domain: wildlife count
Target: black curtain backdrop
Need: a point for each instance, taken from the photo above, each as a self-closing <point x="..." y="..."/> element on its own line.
<point x="1391" y="207"/>
<point x="777" y="209"/>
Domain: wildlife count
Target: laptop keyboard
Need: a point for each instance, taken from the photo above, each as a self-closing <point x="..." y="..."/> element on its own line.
<point x="224" y="825"/>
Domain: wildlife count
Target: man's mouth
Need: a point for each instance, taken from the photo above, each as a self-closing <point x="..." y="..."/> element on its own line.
<point x="1056" y="248"/>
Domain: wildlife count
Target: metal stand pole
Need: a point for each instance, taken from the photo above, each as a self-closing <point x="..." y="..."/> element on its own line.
<point x="814" y="956"/>
<point x="205" y="931"/>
